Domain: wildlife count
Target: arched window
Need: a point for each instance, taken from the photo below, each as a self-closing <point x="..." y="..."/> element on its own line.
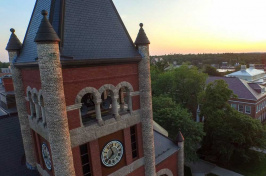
<point x="37" y="107"/>
<point x="125" y="101"/>
<point x="107" y="104"/>
<point x="32" y="106"/>
<point x="87" y="110"/>
<point x="42" y="114"/>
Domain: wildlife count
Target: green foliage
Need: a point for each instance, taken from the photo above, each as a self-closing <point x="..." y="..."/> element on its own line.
<point x="228" y="132"/>
<point x="182" y="84"/>
<point x="4" y="64"/>
<point x="211" y="71"/>
<point x="173" y="117"/>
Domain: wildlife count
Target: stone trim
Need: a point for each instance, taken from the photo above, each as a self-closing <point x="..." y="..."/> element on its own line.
<point x="40" y="129"/>
<point x="167" y="172"/>
<point x="85" y="134"/>
<point x="74" y="107"/>
<point x="108" y="87"/>
<point x="92" y="90"/>
<point x="129" y="168"/>
<point x="125" y="84"/>
<point x="41" y="171"/>
<point x="132" y="94"/>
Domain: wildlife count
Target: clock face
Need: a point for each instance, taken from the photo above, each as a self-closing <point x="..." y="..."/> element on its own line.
<point x="46" y="156"/>
<point x="112" y="153"/>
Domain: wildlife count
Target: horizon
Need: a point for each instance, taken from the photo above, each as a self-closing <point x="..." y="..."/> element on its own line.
<point x="183" y="26"/>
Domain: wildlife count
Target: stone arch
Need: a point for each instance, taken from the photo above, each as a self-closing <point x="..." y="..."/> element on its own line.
<point x="40" y="97"/>
<point x="93" y="91"/>
<point x="109" y="87"/>
<point x="28" y="90"/>
<point x="125" y="84"/>
<point x="165" y="171"/>
<point x="34" y="95"/>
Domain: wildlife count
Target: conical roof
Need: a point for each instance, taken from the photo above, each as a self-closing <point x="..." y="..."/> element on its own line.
<point x="87" y="30"/>
<point x="142" y="38"/>
<point x="13" y="43"/>
<point x="179" y="137"/>
<point x="46" y="31"/>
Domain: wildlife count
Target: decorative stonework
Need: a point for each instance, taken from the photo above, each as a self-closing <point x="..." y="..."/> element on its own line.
<point x="93" y="91"/>
<point x="108" y="87"/>
<point x="22" y="113"/>
<point x="89" y="133"/>
<point x="128" y="169"/>
<point x="164" y="172"/>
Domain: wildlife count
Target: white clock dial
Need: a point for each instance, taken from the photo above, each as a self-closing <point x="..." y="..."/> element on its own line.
<point x="112" y="153"/>
<point x="46" y="156"/>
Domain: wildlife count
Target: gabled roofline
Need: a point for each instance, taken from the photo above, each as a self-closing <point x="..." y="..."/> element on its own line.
<point x="34" y="8"/>
<point x="122" y="23"/>
<point x="68" y="62"/>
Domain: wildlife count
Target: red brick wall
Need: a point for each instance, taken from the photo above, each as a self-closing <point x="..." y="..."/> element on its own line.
<point x="169" y="163"/>
<point x="76" y="79"/>
<point x="8" y="84"/>
<point x="77" y="161"/>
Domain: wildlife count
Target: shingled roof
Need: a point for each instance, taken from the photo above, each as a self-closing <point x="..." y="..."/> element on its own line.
<point x="241" y="88"/>
<point x="87" y="30"/>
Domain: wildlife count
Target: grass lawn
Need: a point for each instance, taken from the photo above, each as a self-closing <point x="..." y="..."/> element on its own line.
<point x="254" y="167"/>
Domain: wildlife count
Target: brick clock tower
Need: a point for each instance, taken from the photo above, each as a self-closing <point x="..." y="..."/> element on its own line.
<point x="83" y="95"/>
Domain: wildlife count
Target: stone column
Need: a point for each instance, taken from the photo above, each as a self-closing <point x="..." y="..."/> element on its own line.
<point x="115" y="107"/>
<point x="142" y="43"/>
<point x="98" y="112"/>
<point x="54" y="98"/>
<point x="27" y="139"/>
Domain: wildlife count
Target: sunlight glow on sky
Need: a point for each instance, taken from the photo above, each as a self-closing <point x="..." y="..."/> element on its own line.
<point x="173" y="26"/>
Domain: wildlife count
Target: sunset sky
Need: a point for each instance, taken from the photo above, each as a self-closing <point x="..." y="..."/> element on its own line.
<point x="173" y="26"/>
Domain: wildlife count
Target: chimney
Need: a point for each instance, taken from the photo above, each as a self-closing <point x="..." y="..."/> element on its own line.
<point x="243" y="67"/>
<point x="251" y="66"/>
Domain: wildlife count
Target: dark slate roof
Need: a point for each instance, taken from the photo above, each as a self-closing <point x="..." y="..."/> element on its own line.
<point x="240" y="87"/>
<point x="46" y="33"/>
<point x="164" y="147"/>
<point x="12" y="159"/>
<point x="13" y="43"/>
<point x="142" y="38"/>
<point x="87" y="29"/>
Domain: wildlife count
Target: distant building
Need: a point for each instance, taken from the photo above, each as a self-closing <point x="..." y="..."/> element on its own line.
<point x="7" y="95"/>
<point x="5" y="70"/>
<point x="251" y="96"/>
<point x="250" y="74"/>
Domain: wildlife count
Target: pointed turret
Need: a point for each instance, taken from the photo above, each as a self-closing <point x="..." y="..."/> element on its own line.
<point x="46" y="32"/>
<point x="179" y="137"/>
<point x="13" y="43"/>
<point x="142" y="38"/>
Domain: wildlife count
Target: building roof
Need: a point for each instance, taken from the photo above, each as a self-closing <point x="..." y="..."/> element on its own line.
<point x="13" y="43"/>
<point x="142" y="38"/>
<point x="164" y="147"/>
<point x="87" y="30"/>
<point x="46" y="32"/>
<point x="246" y="72"/>
<point x="12" y="158"/>
<point x="241" y="88"/>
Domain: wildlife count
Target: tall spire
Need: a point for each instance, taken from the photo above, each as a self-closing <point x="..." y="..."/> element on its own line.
<point x="46" y="32"/>
<point x="179" y="137"/>
<point x="13" y="43"/>
<point x="142" y="38"/>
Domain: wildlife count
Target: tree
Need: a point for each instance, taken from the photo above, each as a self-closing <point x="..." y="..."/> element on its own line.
<point x="228" y="132"/>
<point x="173" y="118"/>
<point x="182" y="84"/>
<point x="211" y="71"/>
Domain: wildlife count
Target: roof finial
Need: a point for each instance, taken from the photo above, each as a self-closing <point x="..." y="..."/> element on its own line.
<point x="12" y="30"/>
<point x="142" y="38"/>
<point x="44" y="13"/>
